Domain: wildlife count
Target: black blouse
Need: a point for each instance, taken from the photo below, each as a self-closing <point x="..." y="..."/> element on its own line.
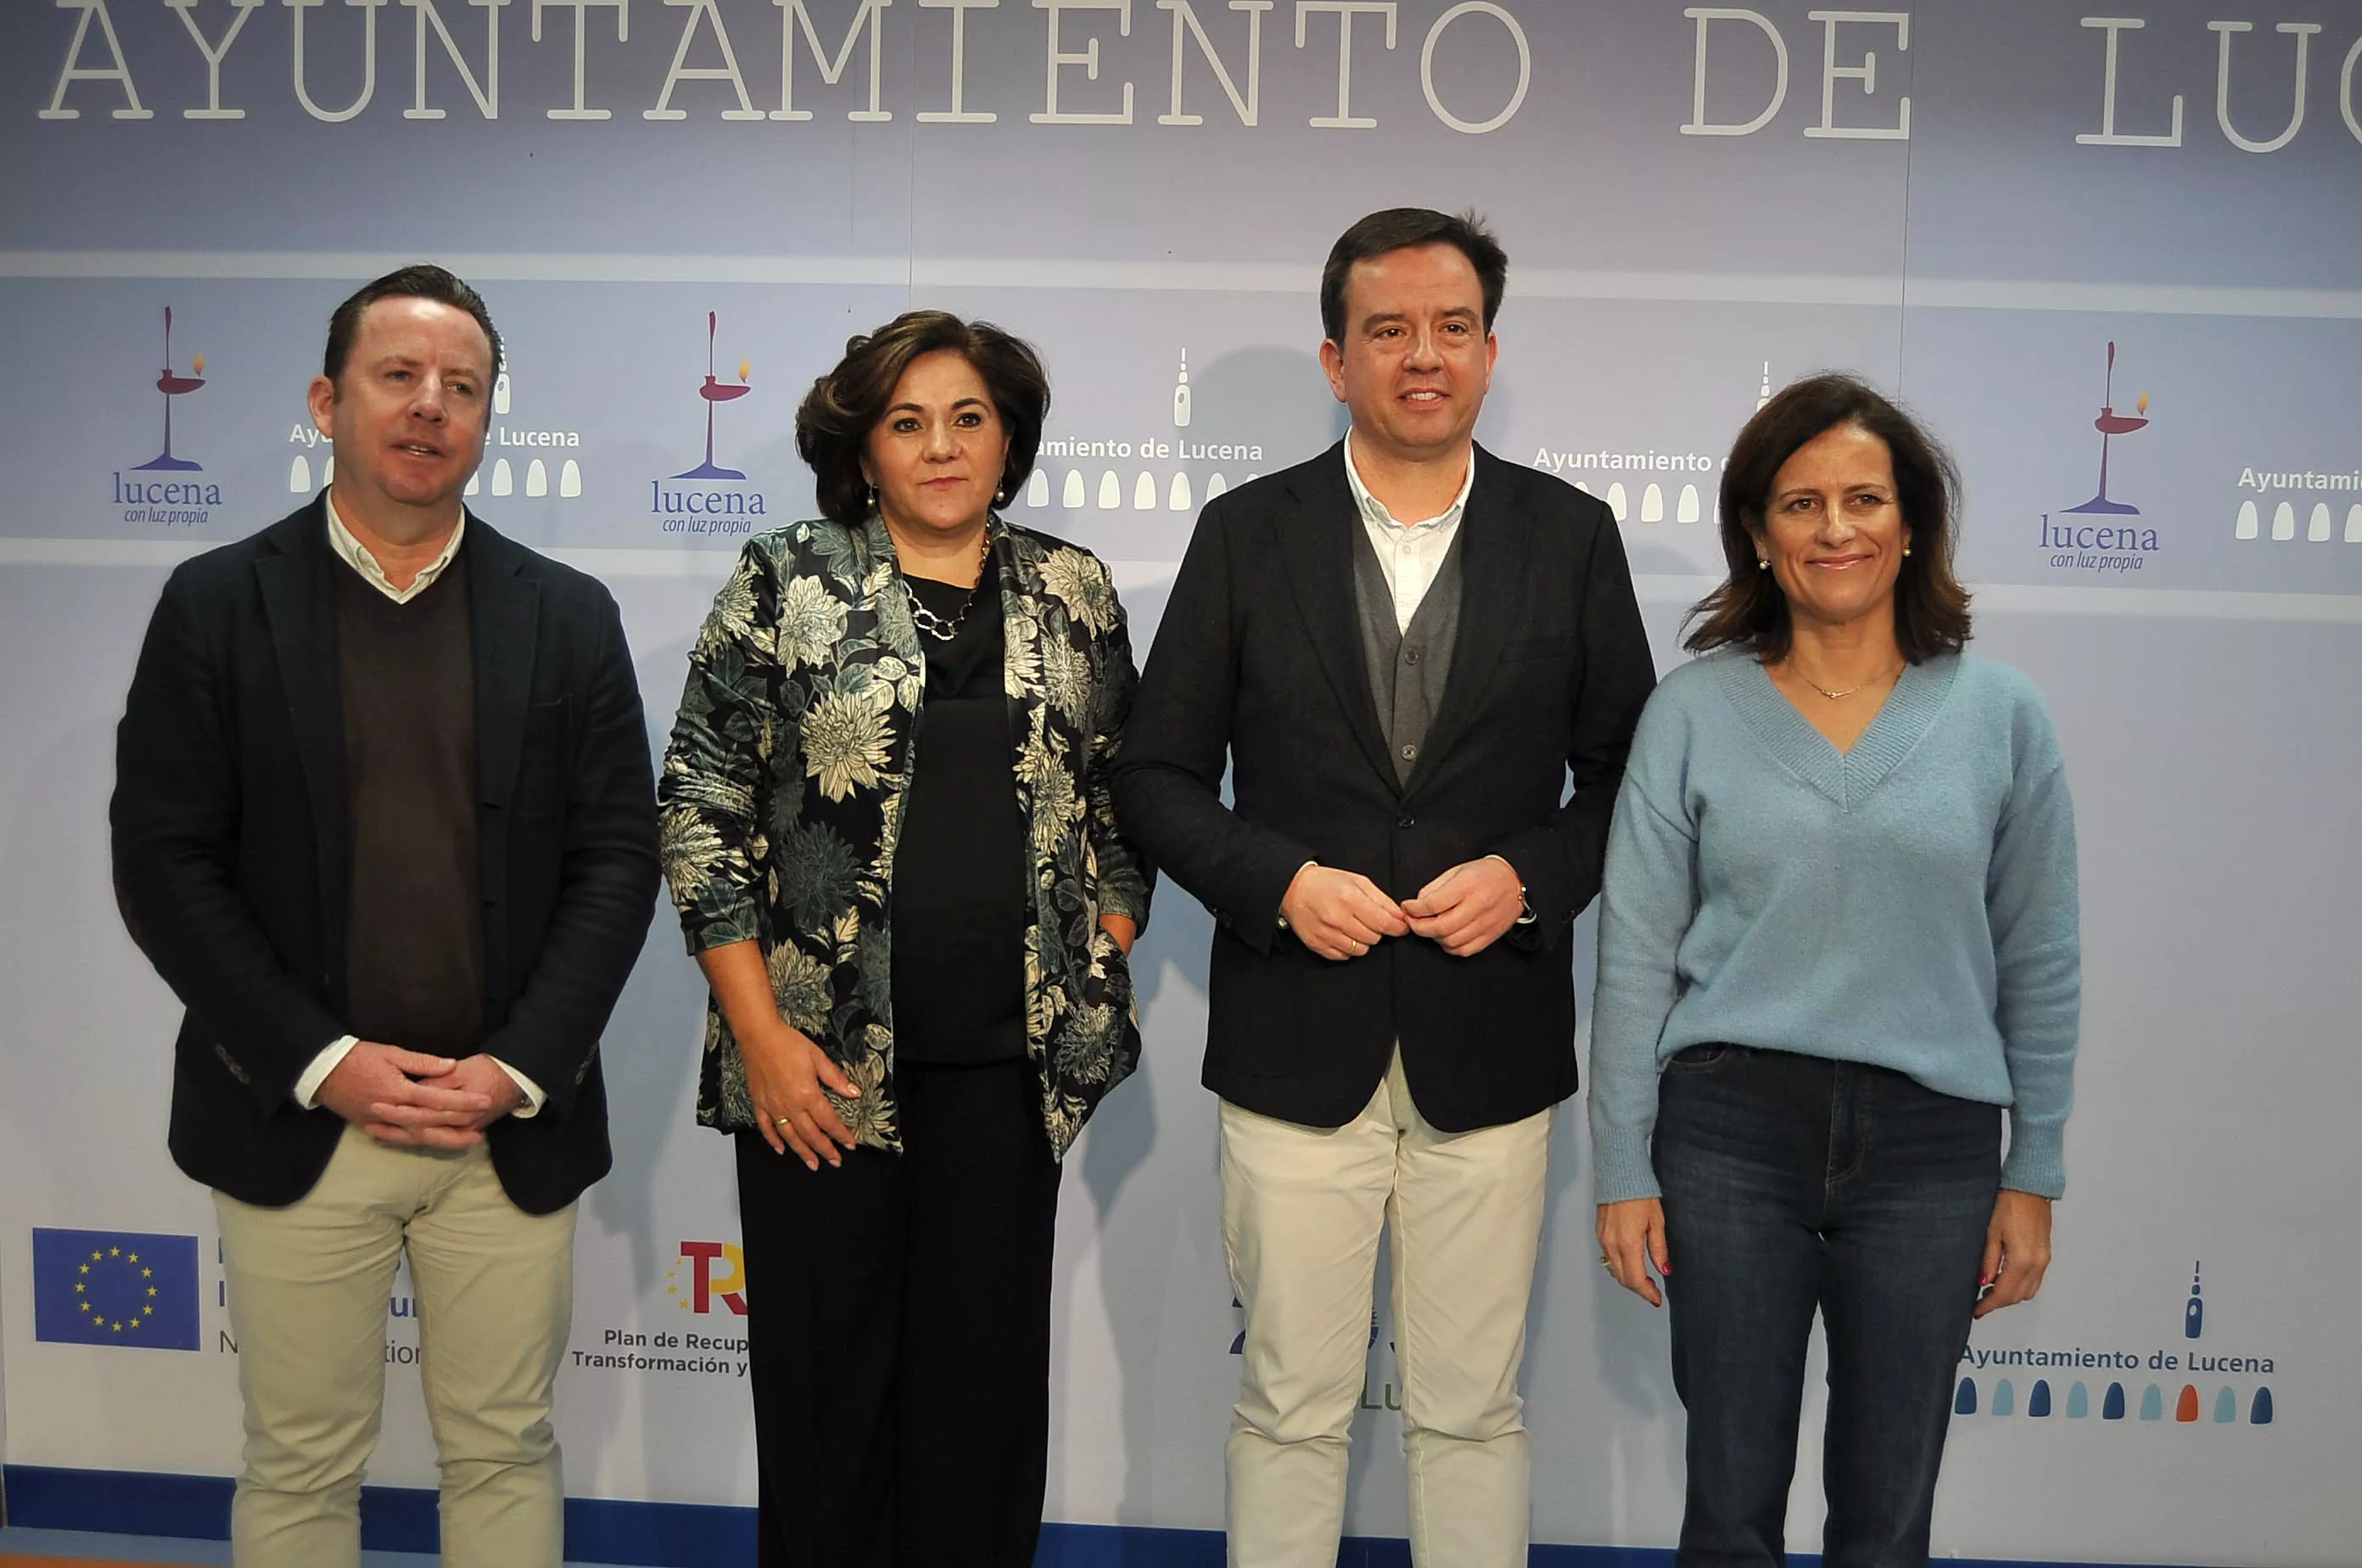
<point x="960" y="904"/>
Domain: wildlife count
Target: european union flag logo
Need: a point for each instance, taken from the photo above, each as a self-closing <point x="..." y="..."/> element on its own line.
<point x="115" y="1287"/>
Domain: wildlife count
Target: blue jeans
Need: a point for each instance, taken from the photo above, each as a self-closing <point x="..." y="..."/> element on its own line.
<point x="1794" y="1182"/>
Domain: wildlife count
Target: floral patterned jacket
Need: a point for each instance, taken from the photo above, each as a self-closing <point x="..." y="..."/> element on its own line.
<point x="784" y="785"/>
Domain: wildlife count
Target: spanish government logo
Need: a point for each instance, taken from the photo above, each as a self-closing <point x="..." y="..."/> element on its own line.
<point x="2217" y="1386"/>
<point x="2113" y="543"/>
<point x="115" y="1287"/>
<point x="716" y="1277"/>
<point x="707" y="1280"/>
<point x="695" y="500"/>
<point x="159" y="491"/>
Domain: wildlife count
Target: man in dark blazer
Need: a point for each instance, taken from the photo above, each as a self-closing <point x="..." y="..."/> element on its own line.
<point x="1400" y="649"/>
<point x="383" y="820"/>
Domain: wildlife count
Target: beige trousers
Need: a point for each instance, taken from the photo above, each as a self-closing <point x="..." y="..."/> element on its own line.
<point x="1302" y="1207"/>
<point x="308" y="1291"/>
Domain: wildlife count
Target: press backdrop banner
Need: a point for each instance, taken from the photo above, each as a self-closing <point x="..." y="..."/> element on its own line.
<point x="2111" y="257"/>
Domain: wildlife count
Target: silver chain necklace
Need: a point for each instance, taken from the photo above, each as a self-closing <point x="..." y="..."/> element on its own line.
<point x="934" y="625"/>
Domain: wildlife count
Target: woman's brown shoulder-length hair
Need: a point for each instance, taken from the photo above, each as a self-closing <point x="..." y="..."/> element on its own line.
<point x="1931" y="608"/>
<point x="834" y="424"/>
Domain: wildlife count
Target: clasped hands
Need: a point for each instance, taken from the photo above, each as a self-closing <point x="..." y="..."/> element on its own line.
<point x="413" y="1100"/>
<point x="1341" y="914"/>
<point x="790" y="1079"/>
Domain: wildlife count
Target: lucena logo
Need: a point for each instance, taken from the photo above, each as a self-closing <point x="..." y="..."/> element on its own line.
<point x="2113" y="543"/>
<point x="709" y="498"/>
<point x="163" y="489"/>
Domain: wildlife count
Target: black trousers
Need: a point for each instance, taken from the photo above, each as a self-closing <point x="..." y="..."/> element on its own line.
<point x="898" y="1332"/>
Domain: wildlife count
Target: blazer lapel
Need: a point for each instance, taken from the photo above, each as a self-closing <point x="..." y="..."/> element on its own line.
<point x="1015" y="568"/>
<point x="504" y="609"/>
<point x="299" y="603"/>
<point x="1489" y="568"/>
<point x="1317" y="543"/>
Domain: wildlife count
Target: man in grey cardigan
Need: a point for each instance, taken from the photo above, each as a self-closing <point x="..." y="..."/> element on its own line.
<point x="1399" y="650"/>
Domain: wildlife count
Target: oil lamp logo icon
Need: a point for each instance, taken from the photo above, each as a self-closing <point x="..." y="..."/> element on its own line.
<point x="173" y="385"/>
<point x="716" y="391"/>
<point x="2110" y="424"/>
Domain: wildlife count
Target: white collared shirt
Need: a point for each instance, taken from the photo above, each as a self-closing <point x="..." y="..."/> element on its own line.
<point x="356" y="555"/>
<point x="1409" y="554"/>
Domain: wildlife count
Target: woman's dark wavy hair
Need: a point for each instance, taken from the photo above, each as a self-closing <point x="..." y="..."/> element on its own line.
<point x="844" y="406"/>
<point x="1931" y="608"/>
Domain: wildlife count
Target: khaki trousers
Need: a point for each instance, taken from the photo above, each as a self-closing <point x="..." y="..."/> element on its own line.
<point x="309" y="1285"/>
<point x="1302" y="1207"/>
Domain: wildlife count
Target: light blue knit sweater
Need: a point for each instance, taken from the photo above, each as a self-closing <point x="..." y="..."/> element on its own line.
<point x="1909" y="903"/>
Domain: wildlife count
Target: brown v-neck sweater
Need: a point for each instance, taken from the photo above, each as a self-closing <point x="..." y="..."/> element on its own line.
<point x="415" y="934"/>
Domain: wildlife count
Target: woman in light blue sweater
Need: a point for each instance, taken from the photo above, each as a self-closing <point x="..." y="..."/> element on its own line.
<point x="1838" y="946"/>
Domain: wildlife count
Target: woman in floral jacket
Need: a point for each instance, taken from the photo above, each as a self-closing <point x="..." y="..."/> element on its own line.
<point x="888" y="832"/>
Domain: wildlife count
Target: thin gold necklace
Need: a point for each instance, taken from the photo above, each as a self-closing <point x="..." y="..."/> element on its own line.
<point x="1849" y="690"/>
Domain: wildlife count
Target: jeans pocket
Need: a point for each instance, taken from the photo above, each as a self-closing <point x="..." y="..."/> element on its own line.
<point x="1706" y="1058"/>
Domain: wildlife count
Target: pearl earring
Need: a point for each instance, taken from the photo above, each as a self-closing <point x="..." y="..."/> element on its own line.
<point x="1761" y="564"/>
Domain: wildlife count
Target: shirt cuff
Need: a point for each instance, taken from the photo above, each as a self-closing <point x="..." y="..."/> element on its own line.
<point x="1280" y="920"/>
<point x="307" y="1085"/>
<point x="534" y="1097"/>
<point x="1525" y="910"/>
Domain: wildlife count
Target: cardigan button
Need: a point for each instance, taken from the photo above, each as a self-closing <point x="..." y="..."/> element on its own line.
<point x="1405" y="820"/>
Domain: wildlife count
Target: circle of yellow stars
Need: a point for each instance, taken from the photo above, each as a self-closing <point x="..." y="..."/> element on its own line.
<point x="99" y="1319"/>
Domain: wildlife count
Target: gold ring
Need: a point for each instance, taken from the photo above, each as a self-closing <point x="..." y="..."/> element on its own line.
<point x="1607" y="1263"/>
<point x="782" y="1121"/>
